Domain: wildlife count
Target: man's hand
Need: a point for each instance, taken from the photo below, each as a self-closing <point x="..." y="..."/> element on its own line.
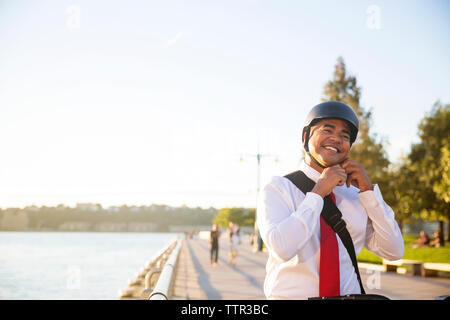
<point x="356" y="175"/>
<point x="330" y="178"/>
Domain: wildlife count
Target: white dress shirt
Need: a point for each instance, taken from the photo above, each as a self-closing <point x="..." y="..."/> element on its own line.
<point x="289" y="224"/>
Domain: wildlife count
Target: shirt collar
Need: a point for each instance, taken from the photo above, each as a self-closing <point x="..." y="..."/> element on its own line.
<point x="309" y="171"/>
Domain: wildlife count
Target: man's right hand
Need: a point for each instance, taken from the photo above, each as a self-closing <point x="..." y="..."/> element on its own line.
<point x="330" y="178"/>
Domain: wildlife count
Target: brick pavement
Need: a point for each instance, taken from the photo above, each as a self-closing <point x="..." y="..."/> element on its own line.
<point x="197" y="279"/>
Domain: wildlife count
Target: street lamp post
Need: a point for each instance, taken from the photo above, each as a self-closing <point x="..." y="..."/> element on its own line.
<point x="257" y="243"/>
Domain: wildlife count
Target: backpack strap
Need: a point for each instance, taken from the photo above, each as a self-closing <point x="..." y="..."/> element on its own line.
<point x="331" y="215"/>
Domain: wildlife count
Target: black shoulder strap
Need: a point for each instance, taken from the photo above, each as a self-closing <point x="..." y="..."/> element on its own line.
<point x="331" y="215"/>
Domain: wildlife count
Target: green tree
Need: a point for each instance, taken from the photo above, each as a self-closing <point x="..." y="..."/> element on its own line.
<point x="367" y="149"/>
<point x="241" y="216"/>
<point x="222" y="218"/>
<point x="402" y="177"/>
<point x="442" y="187"/>
<point x="428" y="163"/>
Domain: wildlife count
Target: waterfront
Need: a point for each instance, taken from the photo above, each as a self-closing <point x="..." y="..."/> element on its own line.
<point x="73" y="265"/>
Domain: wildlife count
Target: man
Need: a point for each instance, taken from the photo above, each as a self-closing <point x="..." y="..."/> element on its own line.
<point x="233" y="236"/>
<point x="214" y="244"/>
<point x="290" y="221"/>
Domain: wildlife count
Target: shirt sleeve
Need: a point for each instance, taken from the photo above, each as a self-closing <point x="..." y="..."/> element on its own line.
<point x="285" y="231"/>
<point x="383" y="236"/>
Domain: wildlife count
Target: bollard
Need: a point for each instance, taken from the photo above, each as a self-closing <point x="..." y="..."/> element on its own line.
<point x="135" y="282"/>
<point x="149" y="282"/>
<point x="146" y="293"/>
<point x="149" y="265"/>
<point x="128" y="293"/>
<point x="149" y="276"/>
<point x="142" y="274"/>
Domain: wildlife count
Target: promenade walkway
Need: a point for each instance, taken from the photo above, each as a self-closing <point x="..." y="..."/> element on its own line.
<point x="197" y="279"/>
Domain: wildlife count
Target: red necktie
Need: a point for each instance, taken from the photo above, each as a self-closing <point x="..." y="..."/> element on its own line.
<point x="329" y="260"/>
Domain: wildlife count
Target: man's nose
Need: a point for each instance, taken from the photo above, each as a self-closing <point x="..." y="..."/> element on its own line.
<point x="336" y="138"/>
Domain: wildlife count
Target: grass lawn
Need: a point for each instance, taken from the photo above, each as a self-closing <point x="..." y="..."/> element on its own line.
<point x="441" y="255"/>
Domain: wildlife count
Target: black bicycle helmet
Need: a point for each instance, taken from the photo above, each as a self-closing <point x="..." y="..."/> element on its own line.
<point x="330" y="110"/>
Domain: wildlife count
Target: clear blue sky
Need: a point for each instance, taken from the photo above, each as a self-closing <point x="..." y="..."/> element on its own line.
<point x="140" y="102"/>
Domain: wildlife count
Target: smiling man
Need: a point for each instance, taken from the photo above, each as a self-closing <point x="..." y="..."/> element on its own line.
<point x="306" y="257"/>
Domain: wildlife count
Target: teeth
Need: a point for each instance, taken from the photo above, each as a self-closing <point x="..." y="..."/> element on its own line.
<point x="331" y="148"/>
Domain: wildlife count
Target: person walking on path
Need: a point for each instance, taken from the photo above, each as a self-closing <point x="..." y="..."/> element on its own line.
<point x="306" y="257"/>
<point x="214" y="244"/>
<point x="233" y="235"/>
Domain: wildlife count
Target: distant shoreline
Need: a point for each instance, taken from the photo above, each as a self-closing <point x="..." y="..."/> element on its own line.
<point x="87" y="231"/>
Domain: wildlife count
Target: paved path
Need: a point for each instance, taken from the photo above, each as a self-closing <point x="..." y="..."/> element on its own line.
<point x="404" y="287"/>
<point x="196" y="278"/>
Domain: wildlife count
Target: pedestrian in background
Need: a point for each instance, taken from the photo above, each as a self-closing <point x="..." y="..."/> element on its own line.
<point x="214" y="244"/>
<point x="233" y="235"/>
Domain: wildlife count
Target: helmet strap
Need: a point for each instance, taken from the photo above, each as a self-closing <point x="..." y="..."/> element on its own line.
<point x="317" y="162"/>
<point x="306" y="136"/>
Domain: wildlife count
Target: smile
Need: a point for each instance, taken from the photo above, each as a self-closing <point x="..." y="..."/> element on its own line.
<point x="331" y="148"/>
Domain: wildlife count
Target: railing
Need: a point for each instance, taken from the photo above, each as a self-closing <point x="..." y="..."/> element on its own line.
<point x="141" y="287"/>
<point x="163" y="288"/>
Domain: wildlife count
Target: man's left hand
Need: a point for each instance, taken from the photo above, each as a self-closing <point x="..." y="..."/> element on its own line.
<point x="356" y="175"/>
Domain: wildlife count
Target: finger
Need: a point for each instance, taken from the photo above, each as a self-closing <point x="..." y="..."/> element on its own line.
<point x="351" y="169"/>
<point x="355" y="183"/>
<point x="352" y="179"/>
<point x="346" y="162"/>
<point x="342" y="179"/>
<point x="342" y="173"/>
<point x="352" y="165"/>
<point x="337" y="172"/>
<point x="355" y="166"/>
<point x="340" y="170"/>
<point x="348" y="182"/>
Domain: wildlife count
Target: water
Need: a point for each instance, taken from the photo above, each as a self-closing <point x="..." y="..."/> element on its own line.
<point x="73" y="265"/>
